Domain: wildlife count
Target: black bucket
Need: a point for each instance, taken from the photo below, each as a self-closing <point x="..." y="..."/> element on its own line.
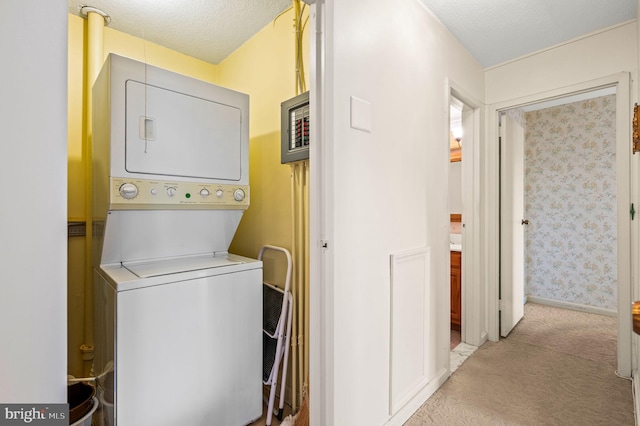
<point x="80" y="399"/>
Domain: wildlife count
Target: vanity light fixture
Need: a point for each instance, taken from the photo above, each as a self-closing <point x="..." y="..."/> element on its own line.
<point x="457" y="135"/>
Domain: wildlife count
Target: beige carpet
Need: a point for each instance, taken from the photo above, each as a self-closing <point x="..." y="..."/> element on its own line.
<point x="557" y="367"/>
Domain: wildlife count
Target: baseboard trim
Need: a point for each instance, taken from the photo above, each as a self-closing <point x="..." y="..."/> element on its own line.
<point x="573" y="306"/>
<point x="636" y="394"/>
<point x="420" y="398"/>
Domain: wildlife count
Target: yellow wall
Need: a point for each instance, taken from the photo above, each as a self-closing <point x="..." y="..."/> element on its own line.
<point x="75" y="201"/>
<point x="75" y="123"/>
<point x="263" y="68"/>
<point x="153" y="54"/>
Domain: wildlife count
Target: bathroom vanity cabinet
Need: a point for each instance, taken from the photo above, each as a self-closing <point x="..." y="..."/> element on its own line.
<point x="456" y="299"/>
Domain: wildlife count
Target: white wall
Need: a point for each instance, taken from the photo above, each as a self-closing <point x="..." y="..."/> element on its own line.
<point x="385" y="192"/>
<point x="591" y="57"/>
<point x="33" y="170"/>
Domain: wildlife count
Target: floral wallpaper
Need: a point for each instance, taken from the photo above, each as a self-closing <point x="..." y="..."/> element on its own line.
<point x="570" y="201"/>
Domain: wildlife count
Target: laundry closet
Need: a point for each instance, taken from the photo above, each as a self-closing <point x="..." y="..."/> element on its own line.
<point x="268" y="217"/>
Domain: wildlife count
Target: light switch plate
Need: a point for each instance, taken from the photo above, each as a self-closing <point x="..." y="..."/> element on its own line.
<point x="360" y="114"/>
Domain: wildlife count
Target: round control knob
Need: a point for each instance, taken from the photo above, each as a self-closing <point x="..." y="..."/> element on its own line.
<point x="238" y="194"/>
<point x="219" y="193"/>
<point x="204" y="192"/>
<point x="171" y="191"/>
<point x="128" y="191"/>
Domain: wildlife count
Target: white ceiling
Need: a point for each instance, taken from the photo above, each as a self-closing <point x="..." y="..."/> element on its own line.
<point x="495" y="31"/>
<point x="205" y="29"/>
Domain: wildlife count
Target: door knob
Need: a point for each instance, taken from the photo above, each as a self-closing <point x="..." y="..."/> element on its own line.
<point x="525" y="221"/>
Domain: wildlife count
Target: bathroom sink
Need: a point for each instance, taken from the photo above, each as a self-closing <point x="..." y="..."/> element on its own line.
<point x="455" y="242"/>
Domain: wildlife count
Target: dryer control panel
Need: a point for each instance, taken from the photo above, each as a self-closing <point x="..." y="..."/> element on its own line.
<point x="146" y="194"/>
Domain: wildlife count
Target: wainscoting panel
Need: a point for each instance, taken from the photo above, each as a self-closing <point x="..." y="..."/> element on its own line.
<point x="410" y="328"/>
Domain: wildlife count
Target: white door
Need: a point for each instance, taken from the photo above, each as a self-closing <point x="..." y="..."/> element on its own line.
<point x="512" y="223"/>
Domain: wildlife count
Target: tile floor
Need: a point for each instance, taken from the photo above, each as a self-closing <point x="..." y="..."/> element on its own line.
<point x="459" y="351"/>
<point x="459" y="355"/>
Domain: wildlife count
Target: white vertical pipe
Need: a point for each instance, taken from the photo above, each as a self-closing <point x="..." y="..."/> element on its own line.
<point x="296" y="29"/>
<point x="294" y="349"/>
<point x="300" y="238"/>
<point x="95" y="58"/>
<point x="306" y="276"/>
<point x="300" y="271"/>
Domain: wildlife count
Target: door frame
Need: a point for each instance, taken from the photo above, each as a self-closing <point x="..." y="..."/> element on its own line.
<point x="321" y="370"/>
<point x="472" y="330"/>
<point x="623" y="180"/>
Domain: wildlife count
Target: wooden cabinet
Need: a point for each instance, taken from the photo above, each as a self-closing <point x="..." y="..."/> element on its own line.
<point x="456" y="297"/>
<point x="455" y="150"/>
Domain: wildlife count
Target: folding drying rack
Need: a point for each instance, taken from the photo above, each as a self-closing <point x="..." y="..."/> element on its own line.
<point x="276" y="336"/>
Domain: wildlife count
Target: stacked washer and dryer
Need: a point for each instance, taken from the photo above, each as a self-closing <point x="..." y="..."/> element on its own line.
<point x="178" y="320"/>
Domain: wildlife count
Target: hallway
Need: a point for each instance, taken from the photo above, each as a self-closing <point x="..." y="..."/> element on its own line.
<point x="557" y="367"/>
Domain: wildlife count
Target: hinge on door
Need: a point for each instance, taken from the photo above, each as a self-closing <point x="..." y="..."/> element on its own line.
<point x="632" y="211"/>
<point x="500" y="306"/>
<point x="635" y="130"/>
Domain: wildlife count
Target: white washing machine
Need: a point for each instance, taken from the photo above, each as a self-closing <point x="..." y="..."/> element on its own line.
<point x="178" y="320"/>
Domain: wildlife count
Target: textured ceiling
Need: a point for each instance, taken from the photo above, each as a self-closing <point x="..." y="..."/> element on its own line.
<point x="495" y="31"/>
<point x="205" y="29"/>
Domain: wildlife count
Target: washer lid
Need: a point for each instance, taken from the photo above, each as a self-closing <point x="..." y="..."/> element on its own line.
<point x="161" y="267"/>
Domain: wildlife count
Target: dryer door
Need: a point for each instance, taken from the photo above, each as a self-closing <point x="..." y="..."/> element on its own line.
<point x="175" y="134"/>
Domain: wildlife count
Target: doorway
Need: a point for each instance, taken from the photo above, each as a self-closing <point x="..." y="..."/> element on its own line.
<point x="506" y="295"/>
<point x="468" y="217"/>
<point x="456" y="189"/>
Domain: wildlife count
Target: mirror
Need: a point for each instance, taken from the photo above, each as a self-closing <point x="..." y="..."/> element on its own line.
<point x="455" y="131"/>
